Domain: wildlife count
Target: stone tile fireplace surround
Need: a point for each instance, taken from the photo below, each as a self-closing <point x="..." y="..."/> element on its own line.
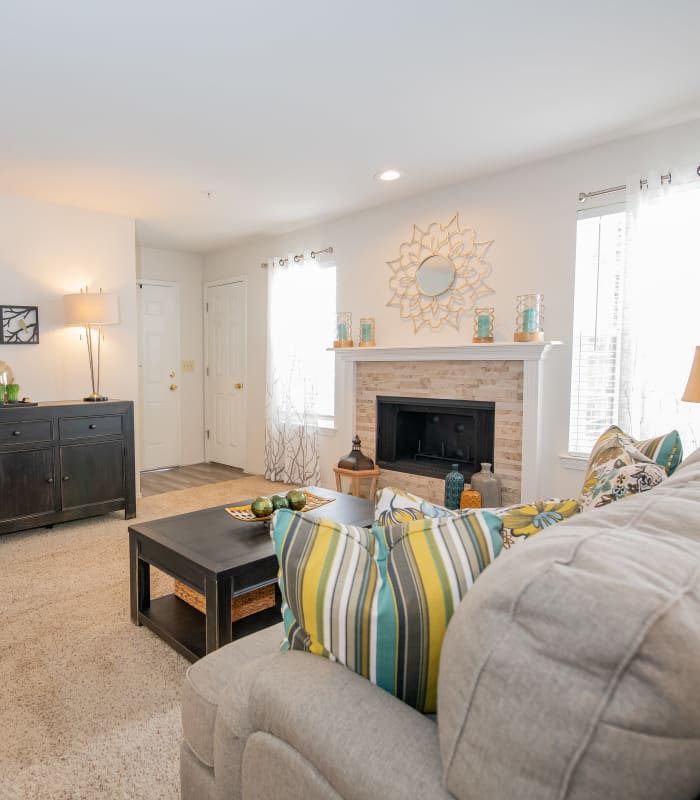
<point x="508" y="374"/>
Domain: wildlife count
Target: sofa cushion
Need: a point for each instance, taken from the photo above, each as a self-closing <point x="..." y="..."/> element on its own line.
<point x="207" y="678"/>
<point x="570" y="669"/>
<point x="379" y="601"/>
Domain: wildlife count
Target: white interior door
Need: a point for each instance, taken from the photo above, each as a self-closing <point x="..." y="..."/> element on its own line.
<point x="225" y="400"/>
<point x="159" y="362"/>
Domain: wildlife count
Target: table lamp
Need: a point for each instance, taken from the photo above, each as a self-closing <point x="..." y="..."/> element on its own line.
<point x="92" y="310"/>
<point x="692" y="390"/>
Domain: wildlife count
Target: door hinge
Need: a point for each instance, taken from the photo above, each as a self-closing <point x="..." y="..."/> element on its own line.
<point x="207" y="372"/>
<point x="207" y="434"/>
<point x="207" y="306"/>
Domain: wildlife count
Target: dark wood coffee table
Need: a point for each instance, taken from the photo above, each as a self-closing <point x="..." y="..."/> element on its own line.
<point x="220" y="557"/>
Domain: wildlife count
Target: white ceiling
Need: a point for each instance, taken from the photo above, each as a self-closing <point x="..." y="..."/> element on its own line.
<point x="284" y="110"/>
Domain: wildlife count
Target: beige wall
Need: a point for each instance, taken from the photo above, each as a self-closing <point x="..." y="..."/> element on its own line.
<point x="529" y="211"/>
<point x="47" y="251"/>
<point x="184" y="270"/>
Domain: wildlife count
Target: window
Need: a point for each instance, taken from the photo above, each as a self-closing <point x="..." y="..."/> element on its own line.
<point x="321" y="323"/>
<point x="635" y="317"/>
<point x="302" y="320"/>
<point x="596" y="344"/>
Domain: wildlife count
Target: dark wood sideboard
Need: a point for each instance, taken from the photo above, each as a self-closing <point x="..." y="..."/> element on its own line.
<point x="65" y="460"/>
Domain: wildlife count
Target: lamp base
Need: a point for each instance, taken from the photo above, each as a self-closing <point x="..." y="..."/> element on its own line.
<point x="95" y="398"/>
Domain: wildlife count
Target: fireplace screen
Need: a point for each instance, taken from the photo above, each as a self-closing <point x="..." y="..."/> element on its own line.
<point x="426" y="436"/>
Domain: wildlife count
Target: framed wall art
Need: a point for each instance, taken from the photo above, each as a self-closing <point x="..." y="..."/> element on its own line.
<point x="20" y="324"/>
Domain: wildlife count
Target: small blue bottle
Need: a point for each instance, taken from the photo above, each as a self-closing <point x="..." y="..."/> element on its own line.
<point x="454" y="486"/>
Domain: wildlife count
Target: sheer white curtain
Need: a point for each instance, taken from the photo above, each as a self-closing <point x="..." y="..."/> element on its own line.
<point x="291" y="429"/>
<point x="661" y="324"/>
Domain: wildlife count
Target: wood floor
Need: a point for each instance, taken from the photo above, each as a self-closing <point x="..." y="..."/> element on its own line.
<point x="168" y="480"/>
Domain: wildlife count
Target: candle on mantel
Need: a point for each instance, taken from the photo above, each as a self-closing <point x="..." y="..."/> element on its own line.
<point x="483" y="326"/>
<point x="529" y="320"/>
<point x="366" y="332"/>
<point x="342" y="332"/>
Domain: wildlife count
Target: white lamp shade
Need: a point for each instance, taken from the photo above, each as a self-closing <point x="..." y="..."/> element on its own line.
<point x="90" y="309"/>
<point x="692" y="390"/>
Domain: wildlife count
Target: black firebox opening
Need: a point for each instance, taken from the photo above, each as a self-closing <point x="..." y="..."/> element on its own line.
<point x="426" y="436"/>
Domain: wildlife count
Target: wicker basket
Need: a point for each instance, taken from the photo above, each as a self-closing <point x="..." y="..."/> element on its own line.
<point x="241" y="606"/>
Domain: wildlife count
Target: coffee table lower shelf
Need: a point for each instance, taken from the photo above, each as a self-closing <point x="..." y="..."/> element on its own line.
<point x="183" y="627"/>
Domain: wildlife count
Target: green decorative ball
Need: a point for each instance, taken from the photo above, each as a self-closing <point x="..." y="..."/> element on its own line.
<point x="296" y="499"/>
<point x="280" y="501"/>
<point x="262" y="507"/>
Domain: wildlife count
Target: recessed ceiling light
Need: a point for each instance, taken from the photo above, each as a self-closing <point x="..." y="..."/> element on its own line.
<point x="388" y="175"/>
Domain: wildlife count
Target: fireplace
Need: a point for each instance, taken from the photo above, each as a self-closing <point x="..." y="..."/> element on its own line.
<point x="425" y="436"/>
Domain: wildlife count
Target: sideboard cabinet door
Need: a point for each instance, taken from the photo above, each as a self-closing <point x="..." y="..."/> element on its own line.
<point x="91" y="473"/>
<point x="27" y="483"/>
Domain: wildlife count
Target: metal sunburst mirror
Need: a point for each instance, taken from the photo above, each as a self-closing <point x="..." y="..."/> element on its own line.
<point x="439" y="274"/>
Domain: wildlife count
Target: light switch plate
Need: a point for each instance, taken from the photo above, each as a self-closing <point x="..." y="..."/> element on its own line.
<point x="188" y="366"/>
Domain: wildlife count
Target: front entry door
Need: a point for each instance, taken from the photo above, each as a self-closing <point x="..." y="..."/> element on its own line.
<point x="159" y="351"/>
<point x="225" y="383"/>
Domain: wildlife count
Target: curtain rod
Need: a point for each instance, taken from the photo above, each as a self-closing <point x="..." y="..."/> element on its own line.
<point x="583" y="196"/>
<point x="299" y="257"/>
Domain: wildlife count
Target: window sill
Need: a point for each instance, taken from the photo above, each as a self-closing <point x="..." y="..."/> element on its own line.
<point x="574" y="462"/>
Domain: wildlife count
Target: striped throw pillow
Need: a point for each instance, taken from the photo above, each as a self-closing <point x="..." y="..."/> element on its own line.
<point x="379" y="601"/>
<point x="667" y="450"/>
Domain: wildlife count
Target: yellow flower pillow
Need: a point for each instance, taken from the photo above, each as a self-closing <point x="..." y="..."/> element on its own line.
<point x="522" y="521"/>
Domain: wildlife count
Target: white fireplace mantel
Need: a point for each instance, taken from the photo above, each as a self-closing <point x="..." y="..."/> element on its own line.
<point x="532" y="354"/>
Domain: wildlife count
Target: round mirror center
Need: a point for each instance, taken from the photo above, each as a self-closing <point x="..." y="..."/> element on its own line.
<point x="435" y="275"/>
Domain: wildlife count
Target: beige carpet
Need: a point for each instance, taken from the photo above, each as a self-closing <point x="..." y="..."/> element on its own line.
<point x="89" y="703"/>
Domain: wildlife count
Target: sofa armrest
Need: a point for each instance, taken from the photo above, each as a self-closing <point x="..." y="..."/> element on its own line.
<point x="365" y="742"/>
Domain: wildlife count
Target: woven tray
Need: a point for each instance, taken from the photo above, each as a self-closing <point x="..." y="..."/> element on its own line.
<point x="244" y="514"/>
<point x="241" y="606"/>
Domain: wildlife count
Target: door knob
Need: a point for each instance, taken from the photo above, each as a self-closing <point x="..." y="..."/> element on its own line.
<point x="49" y="480"/>
<point x="237" y="385"/>
<point x="173" y="386"/>
<point x="171" y="374"/>
<point x="66" y="478"/>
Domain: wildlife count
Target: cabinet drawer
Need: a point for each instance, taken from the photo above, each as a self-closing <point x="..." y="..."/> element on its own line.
<point x="79" y="427"/>
<point x="17" y="432"/>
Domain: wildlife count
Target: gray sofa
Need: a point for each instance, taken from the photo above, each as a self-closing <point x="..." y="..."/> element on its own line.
<point x="570" y="670"/>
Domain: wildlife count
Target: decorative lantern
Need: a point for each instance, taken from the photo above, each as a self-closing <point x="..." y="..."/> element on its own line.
<point x="356" y="474"/>
<point x="367" y="332"/>
<point x="483" y="325"/>
<point x="343" y="329"/>
<point x="529" y="320"/>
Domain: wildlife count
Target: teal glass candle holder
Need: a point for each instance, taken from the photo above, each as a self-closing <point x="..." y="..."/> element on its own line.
<point x="529" y="318"/>
<point x="483" y="325"/>
<point x="367" y="332"/>
<point x="343" y="329"/>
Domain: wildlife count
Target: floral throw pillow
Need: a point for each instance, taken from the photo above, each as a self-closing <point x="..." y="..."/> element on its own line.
<point x="394" y="506"/>
<point x="522" y="521"/>
<point x="615" y="483"/>
<point x="615" y="450"/>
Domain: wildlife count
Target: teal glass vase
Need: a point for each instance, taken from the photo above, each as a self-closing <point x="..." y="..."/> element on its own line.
<point x="454" y="486"/>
